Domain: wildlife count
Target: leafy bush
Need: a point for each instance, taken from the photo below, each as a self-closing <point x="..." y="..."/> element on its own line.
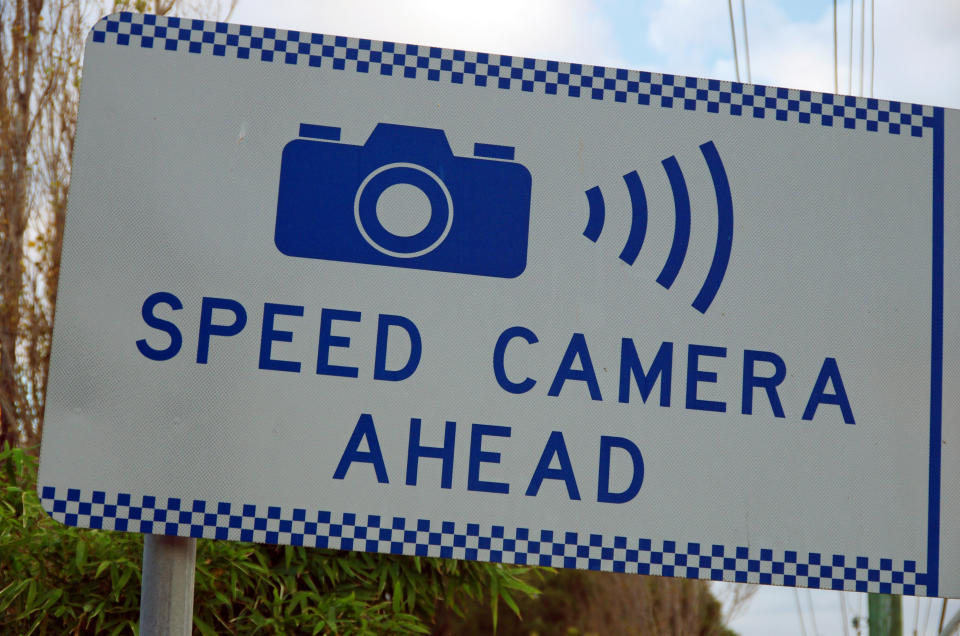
<point x="58" y="580"/>
<point x="586" y="603"/>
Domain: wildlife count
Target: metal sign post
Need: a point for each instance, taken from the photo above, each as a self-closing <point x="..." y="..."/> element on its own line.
<point x="166" y="591"/>
<point x="336" y="292"/>
<point x="885" y="615"/>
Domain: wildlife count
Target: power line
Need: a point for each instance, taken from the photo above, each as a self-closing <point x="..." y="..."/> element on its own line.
<point x="952" y="626"/>
<point x="850" y="54"/>
<point x="796" y="596"/>
<point x="836" y="88"/>
<point x="733" y="39"/>
<point x="813" y="616"/>
<point x="873" y="29"/>
<point x="746" y="38"/>
<point x="916" y="617"/>
<point x="843" y="595"/>
<point x="863" y="10"/>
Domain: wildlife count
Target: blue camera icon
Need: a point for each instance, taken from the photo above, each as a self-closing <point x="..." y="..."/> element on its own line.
<point x="466" y="215"/>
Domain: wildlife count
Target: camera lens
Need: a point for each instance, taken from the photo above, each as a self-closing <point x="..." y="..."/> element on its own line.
<point x="403" y="210"/>
<point x="368" y="209"/>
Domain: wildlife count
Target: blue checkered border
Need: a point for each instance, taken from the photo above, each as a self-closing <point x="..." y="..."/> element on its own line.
<point x="477" y="542"/>
<point x="505" y="72"/>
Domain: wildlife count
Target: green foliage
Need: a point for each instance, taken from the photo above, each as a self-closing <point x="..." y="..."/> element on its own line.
<point x="57" y="580"/>
<point x="585" y="603"/>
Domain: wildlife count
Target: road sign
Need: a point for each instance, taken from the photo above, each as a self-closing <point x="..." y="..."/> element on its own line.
<point x="336" y="292"/>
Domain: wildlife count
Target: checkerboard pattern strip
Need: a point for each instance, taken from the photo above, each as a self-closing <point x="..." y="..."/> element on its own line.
<point x="581" y="81"/>
<point x="478" y="542"/>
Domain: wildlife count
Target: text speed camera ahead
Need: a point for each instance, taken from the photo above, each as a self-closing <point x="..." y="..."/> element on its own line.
<point x="336" y="292"/>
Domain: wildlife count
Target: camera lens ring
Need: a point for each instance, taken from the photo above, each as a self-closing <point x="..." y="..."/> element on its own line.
<point x="386" y="242"/>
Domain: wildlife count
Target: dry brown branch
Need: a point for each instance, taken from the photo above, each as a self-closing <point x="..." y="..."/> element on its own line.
<point x="41" y="44"/>
<point x="735" y="598"/>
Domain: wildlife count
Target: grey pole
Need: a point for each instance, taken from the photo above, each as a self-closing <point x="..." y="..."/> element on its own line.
<point x="885" y="614"/>
<point x="166" y="590"/>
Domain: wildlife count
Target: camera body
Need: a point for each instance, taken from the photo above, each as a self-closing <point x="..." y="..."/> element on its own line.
<point x="329" y="204"/>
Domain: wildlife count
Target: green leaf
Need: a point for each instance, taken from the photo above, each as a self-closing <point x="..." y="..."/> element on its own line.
<point x="100" y="568"/>
<point x="332" y="619"/>
<point x="397" y="596"/>
<point x="10" y="593"/>
<point x="81" y="554"/>
<point x="53" y="597"/>
<point x="203" y="627"/>
<point x="494" y="599"/>
<point x="31" y="594"/>
<point x="125" y="577"/>
<point x="512" y="604"/>
<point x="118" y="629"/>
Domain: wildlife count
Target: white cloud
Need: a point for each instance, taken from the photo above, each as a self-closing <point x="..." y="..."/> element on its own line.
<point x="918" y="50"/>
<point x="795" y="54"/>
<point x="688" y="36"/>
<point x="693" y="37"/>
<point x="574" y="30"/>
<point x="917" y="42"/>
<point x="917" y="46"/>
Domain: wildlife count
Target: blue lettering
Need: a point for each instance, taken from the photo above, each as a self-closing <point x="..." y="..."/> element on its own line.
<point x="176" y="339"/>
<point x="498" y="353"/>
<point x="380" y="371"/>
<point x="662" y="367"/>
<point x="695" y="375"/>
<point x="269" y="335"/>
<point x="444" y="453"/>
<point x="555" y="448"/>
<point x="208" y="328"/>
<point x="829" y="372"/>
<point x="576" y="349"/>
<point x="770" y="383"/>
<point x="352" y="453"/>
<point x="328" y="340"/>
<point x="479" y="456"/>
<point x="603" y="488"/>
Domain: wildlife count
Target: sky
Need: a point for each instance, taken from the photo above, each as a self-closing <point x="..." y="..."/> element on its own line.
<point x="915" y="48"/>
<point x="791" y="44"/>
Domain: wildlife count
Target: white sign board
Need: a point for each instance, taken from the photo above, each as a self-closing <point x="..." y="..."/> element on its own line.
<point x="336" y="292"/>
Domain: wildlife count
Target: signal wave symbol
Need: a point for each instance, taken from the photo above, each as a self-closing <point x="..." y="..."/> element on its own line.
<point x="681" y="235"/>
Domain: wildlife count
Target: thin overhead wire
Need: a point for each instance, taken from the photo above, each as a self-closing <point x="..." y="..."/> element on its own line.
<point x="863" y="12"/>
<point x="916" y="616"/>
<point x="850" y="54"/>
<point x="873" y="40"/>
<point x="746" y="38"/>
<point x="952" y="626"/>
<point x="836" y="87"/>
<point x="796" y="596"/>
<point x="733" y="39"/>
<point x="843" y="595"/>
<point x="813" y="616"/>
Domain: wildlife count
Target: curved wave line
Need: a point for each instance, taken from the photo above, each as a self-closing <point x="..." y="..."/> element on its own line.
<point x="595" y="222"/>
<point x="681" y="234"/>
<point x="638" y="223"/>
<point x="721" y="255"/>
